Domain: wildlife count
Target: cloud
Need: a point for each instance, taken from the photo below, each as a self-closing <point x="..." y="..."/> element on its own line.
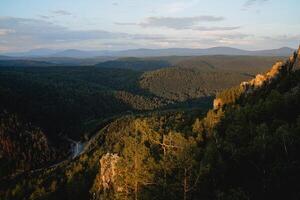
<point x="6" y="31"/>
<point x="181" y="23"/>
<point x="44" y="30"/>
<point x="250" y="3"/>
<point x="281" y="40"/>
<point x="44" y="16"/>
<point x="178" y="22"/>
<point x="61" y="12"/>
<point x="17" y="34"/>
<point x="215" y="28"/>
<point x="54" y="14"/>
<point x="234" y="36"/>
<point x="125" y="23"/>
<point x="195" y="41"/>
<point x="23" y="33"/>
<point x="285" y="37"/>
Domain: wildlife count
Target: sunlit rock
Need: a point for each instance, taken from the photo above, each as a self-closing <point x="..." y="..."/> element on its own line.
<point x="278" y="70"/>
<point x="217" y="103"/>
<point x="108" y="169"/>
<point x="296" y="65"/>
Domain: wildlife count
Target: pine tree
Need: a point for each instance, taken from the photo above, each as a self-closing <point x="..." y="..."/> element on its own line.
<point x="134" y="167"/>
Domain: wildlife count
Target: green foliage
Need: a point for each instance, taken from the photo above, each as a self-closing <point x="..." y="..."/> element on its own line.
<point x="134" y="167"/>
<point x="139" y="102"/>
<point x="61" y="100"/>
<point x="181" y="84"/>
<point x="201" y="76"/>
<point x="231" y="95"/>
<point x="262" y="138"/>
<point x="135" y="64"/>
<point x="251" y="65"/>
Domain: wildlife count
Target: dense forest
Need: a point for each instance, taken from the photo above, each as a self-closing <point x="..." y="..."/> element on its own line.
<point x="189" y="83"/>
<point x="135" y="64"/>
<point x="23" y="146"/>
<point x="202" y="76"/>
<point x="245" y="147"/>
<point x="69" y="100"/>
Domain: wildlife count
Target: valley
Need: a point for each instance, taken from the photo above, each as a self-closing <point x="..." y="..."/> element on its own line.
<point x="149" y="100"/>
<point x="89" y="113"/>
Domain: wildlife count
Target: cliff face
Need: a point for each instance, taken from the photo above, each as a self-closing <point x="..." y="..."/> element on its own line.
<point x="278" y="70"/>
<point x="261" y="79"/>
<point x="106" y="177"/>
<point x="296" y="65"/>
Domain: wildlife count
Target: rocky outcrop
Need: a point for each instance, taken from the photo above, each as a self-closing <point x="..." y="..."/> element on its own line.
<point x="296" y="65"/>
<point x="217" y="103"/>
<point x="261" y="79"/>
<point x="278" y="70"/>
<point x="106" y="177"/>
<point x="108" y="164"/>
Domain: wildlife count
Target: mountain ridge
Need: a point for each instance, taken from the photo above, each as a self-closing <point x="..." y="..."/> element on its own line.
<point x="283" y="51"/>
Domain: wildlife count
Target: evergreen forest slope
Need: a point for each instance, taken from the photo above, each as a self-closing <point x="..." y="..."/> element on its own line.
<point x="245" y="147"/>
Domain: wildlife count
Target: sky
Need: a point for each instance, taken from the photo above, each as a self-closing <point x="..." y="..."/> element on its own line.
<point x="131" y="24"/>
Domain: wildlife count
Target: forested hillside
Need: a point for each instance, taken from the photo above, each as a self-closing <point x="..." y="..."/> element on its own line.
<point x="71" y="101"/>
<point x="180" y="84"/>
<point x="43" y="109"/>
<point x="61" y="100"/>
<point x="195" y="77"/>
<point x="246" y="147"/>
<point x="251" y="65"/>
<point x="24" y="147"/>
<point x="136" y="64"/>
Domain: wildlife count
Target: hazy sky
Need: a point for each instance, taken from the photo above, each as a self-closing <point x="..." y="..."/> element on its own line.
<point x="127" y="24"/>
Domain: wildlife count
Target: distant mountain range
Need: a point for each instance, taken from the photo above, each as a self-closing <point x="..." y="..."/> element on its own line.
<point x="74" y="53"/>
